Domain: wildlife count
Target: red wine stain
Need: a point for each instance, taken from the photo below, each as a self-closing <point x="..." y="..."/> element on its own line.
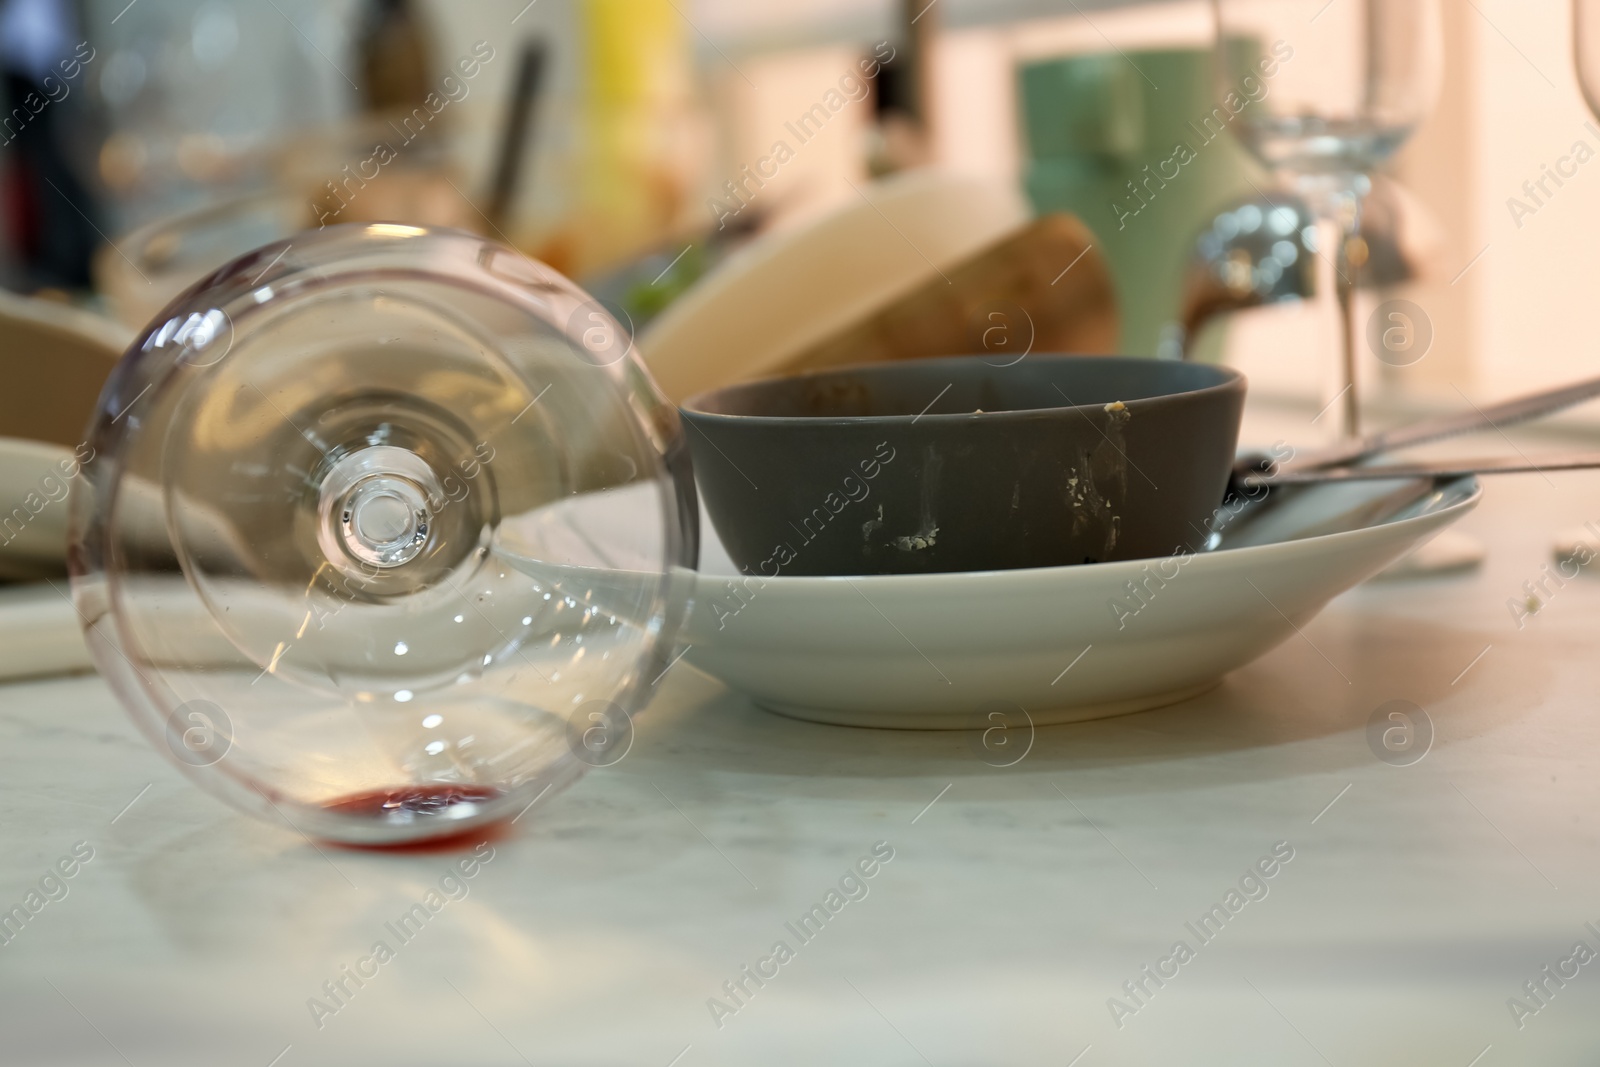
<point x="418" y="806"/>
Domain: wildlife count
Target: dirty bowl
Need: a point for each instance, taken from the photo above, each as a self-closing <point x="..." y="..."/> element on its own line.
<point x="963" y="464"/>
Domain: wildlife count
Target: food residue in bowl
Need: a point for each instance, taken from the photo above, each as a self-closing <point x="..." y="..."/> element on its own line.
<point x="871" y="525"/>
<point x="926" y="539"/>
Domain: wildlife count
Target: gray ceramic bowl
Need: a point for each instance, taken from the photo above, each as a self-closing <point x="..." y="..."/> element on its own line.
<point x="960" y="465"/>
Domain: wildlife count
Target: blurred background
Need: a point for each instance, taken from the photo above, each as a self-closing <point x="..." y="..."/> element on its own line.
<point x="630" y="144"/>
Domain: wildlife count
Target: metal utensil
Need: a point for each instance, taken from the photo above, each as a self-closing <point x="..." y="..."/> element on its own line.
<point x="1445" y="469"/>
<point x="1255" y="471"/>
<point x="1505" y="413"/>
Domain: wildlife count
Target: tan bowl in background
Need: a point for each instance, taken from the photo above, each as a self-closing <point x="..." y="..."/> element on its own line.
<point x="793" y="289"/>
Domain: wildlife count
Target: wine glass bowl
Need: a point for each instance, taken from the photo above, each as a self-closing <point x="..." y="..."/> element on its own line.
<point x="1350" y="80"/>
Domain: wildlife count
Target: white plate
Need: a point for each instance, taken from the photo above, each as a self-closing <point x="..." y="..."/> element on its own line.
<point x="1059" y="644"/>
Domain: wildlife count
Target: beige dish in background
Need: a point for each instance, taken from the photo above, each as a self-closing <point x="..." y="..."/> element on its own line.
<point x="53" y="361"/>
<point x="35" y="482"/>
<point x="1042" y="289"/>
<point x="794" y="289"/>
<point x="153" y="263"/>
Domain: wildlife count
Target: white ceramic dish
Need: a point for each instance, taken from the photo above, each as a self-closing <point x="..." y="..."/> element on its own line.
<point x="1061" y="644"/>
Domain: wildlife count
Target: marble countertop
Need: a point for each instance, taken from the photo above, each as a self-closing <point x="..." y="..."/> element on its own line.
<point x="1005" y="910"/>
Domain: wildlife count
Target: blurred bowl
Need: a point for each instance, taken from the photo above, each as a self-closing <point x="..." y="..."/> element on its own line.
<point x="151" y="265"/>
<point x="53" y="361"/>
<point x="790" y="290"/>
<point x="958" y="464"/>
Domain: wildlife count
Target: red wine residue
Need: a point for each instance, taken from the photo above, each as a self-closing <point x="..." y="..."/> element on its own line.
<point x="439" y="803"/>
<point x="413" y="803"/>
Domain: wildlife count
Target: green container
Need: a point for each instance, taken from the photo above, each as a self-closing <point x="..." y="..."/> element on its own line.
<point x="1124" y="143"/>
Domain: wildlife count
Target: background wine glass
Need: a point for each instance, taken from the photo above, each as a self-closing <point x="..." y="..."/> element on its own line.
<point x="1570" y="544"/>
<point x="1338" y="86"/>
<point x="1586" y="50"/>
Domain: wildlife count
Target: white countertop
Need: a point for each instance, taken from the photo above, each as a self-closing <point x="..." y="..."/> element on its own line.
<point x="1014" y="906"/>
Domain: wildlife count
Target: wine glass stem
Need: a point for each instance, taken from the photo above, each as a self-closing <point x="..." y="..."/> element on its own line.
<point x="1345" y="287"/>
<point x="1338" y="199"/>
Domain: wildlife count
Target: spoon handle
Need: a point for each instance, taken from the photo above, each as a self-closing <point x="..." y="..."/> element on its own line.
<point x="1505" y="413"/>
<point x="1442" y="470"/>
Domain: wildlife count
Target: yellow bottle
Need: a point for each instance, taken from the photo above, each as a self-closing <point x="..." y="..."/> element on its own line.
<point x="636" y="155"/>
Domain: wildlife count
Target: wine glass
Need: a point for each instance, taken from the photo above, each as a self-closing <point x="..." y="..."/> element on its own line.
<point x="1586" y="50"/>
<point x="386" y="532"/>
<point x="1570" y="544"/>
<point x="1324" y="92"/>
